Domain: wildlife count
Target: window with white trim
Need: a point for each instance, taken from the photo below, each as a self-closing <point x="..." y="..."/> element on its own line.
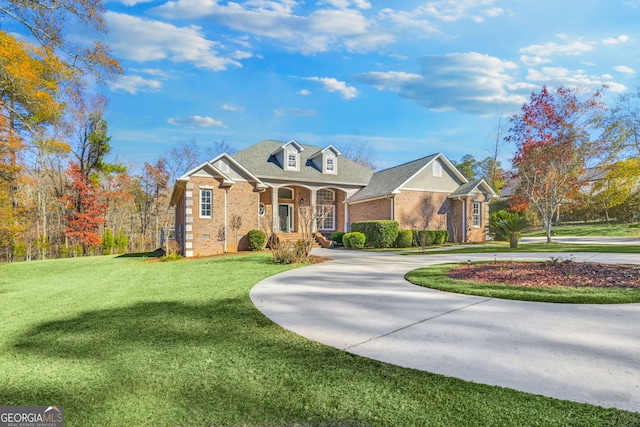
<point x="331" y="164"/>
<point x="477" y="214"/>
<point x="206" y="203"/>
<point x="326" y="210"/>
<point x="292" y="160"/>
<point x="325" y="195"/>
<point x="285" y="193"/>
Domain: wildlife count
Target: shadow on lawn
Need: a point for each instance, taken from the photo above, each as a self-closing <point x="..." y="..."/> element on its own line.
<point x="223" y="363"/>
<point x="158" y="253"/>
<point x="220" y="362"/>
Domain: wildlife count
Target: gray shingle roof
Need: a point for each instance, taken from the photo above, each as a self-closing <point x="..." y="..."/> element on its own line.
<point x="259" y="161"/>
<point x="389" y="180"/>
<point x="465" y="189"/>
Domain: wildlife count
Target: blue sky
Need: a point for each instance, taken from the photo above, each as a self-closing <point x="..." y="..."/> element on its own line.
<point x="411" y="78"/>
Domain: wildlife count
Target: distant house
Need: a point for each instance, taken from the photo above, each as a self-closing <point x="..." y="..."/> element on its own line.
<point x="266" y="184"/>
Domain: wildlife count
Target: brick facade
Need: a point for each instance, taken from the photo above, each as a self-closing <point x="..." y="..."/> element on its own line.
<point x="205" y="236"/>
<point x="371" y="210"/>
<point x="421" y="210"/>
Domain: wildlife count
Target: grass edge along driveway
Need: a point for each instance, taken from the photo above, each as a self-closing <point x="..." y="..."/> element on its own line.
<point x="124" y="341"/>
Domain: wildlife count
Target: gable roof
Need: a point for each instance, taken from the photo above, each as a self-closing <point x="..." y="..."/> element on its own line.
<point x="389" y="181"/>
<point x="244" y="170"/>
<point x="260" y="160"/>
<point x="181" y="181"/>
<point x="468" y="188"/>
<point x="324" y="150"/>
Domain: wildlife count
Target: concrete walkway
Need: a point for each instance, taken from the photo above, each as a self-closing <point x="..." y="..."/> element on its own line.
<point x="361" y="303"/>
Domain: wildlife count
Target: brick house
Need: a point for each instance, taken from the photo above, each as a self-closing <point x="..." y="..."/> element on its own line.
<point x="265" y="185"/>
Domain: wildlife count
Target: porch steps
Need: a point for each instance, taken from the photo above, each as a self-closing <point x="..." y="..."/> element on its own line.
<point x="294" y="237"/>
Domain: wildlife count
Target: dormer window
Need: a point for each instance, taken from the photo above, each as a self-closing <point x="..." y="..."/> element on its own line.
<point x="292" y="161"/>
<point x="331" y="165"/>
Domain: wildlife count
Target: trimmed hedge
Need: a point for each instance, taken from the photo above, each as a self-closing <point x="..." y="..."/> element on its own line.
<point x="346" y="242"/>
<point x="336" y="236"/>
<point x="379" y="234"/>
<point x="425" y="237"/>
<point x="357" y="240"/>
<point x="404" y="239"/>
<point x="430" y="237"/>
<point x="256" y="240"/>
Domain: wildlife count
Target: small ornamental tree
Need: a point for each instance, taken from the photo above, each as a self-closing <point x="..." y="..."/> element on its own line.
<point x="554" y="144"/>
<point x="85" y="210"/>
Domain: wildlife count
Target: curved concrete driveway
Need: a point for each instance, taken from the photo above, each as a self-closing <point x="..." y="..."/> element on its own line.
<point x="361" y="303"/>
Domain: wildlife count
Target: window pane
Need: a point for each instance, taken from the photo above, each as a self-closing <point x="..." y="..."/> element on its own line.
<point x="330" y="164"/>
<point x="326" y="217"/>
<point x="477" y="207"/>
<point x="325" y="196"/>
<point x="292" y="160"/>
<point x="285" y="193"/>
<point x="205" y="202"/>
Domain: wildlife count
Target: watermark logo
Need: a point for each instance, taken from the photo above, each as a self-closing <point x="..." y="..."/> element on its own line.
<point x="31" y="416"/>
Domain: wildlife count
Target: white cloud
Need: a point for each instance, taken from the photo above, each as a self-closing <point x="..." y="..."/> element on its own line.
<point x="321" y="30"/>
<point x="469" y="82"/>
<point x="533" y="60"/>
<point x="333" y="85"/>
<point x="390" y="80"/>
<point x="456" y="10"/>
<point x="155" y="40"/>
<point x="135" y="84"/>
<point x="196" y="121"/>
<point x="556" y="76"/>
<point x="344" y="4"/>
<point x="493" y="12"/>
<point x="233" y="108"/>
<point x="415" y="21"/>
<point x="624" y="69"/>
<point x="305" y="92"/>
<point x="616" y="40"/>
<point x="549" y="49"/>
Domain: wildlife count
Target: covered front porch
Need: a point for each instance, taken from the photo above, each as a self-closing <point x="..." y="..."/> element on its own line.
<point x="286" y="208"/>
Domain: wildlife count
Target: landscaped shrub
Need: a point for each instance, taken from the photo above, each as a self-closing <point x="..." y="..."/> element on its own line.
<point x="439" y="237"/>
<point x="424" y="237"/>
<point x="379" y="234"/>
<point x="336" y="236"/>
<point x="357" y="240"/>
<point x="256" y="240"/>
<point x="496" y="217"/>
<point x="346" y="240"/>
<point x="404" y="239"/>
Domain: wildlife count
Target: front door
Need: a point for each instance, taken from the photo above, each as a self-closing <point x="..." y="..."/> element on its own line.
<point x="285" y="213"/>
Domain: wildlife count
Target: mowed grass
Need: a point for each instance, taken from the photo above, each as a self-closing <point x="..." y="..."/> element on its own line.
<point x="435" y="277"/>
<point x="599" y="229"/>
<point x="501" y="247"/>
<point x="128" y="342"/>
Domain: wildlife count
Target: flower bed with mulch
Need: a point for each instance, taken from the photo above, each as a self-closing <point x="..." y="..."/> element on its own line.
<point x="551" y="274"/>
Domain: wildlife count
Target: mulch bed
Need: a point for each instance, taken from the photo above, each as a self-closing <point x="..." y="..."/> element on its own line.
<point x="548" y="274"/>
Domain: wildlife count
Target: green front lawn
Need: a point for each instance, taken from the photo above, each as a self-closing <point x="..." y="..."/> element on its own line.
<point x="598" y="229"/>
<point x="129" y="342"/>
<point x="435" y="277"/>
<point x="498" y="247"/>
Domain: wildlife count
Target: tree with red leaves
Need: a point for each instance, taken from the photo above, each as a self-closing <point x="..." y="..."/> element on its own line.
<point x="86" y="211"/>
<point x="554" y="144"/>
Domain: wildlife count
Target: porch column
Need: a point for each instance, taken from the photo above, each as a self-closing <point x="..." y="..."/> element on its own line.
<point x="274" y="209"/>
<point x="312" y="205"/>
